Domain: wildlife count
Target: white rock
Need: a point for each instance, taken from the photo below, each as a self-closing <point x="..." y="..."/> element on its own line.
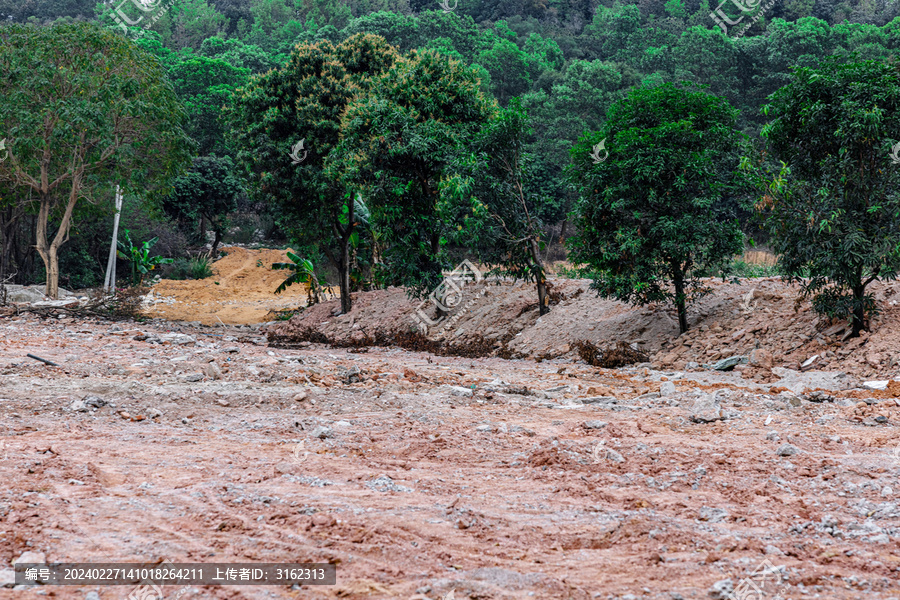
<point x="876" y="385"/>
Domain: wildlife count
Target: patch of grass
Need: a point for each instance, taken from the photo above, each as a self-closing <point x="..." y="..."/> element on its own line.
<point x="200" y="268"/>
<point x="740" y="269"/>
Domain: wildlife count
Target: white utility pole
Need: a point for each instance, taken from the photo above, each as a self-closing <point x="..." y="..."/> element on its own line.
<point x="110" y="281"/>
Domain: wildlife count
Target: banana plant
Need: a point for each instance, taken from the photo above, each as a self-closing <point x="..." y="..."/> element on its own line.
<point x="139" y="256"/>
<point x="304" y="271"/>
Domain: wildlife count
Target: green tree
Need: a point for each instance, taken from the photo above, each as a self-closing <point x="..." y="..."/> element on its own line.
<point x="834" y="209"/>
<point x="204" y="86"/>
<point x="297" y="110"/>
<point x="652" y="212"/>
<point x="84" y="109"/>
<point x="506" y="230"/>
<point x="400" y="141"/>
<point x="207" y="193"/>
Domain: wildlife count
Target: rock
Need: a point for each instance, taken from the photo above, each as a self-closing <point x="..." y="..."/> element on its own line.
<point x="23" y="293"/>
<point x="154" y="413"/>
<point x="301" y="396"/>
<point x="876" y="385"/>
<point x="706" y="410"/>
<point x="809" y="363"/>
<point x="460" y="391"/>
<point x="614" y="456"/>
<point x="94" y="401"/>
<point x="772" y="436"/>
<point x="322" y="432"/>
<point x="79" y="406"/>
<point x="787" y="450"/>
<point x="213" y="371"/>
<point x="7" y="578"/>
<point x="31" y="558"/>
<point x="351" y="375"/>
<point x="342" y="424"/>
<point x="691" y="365"/>
<point x="231" y="350"/>
<point x="721" y="590"/>
<point x="179" y="339"/>
<point x="727" y="364"/>
<point x="92" y="596"/>
<point x="794" y="401"/>
<point x="193" y="377"/>
<point x="383" y="483"/>
<point x="222" y="402"/>
<point x="484" y="428"/>
<point x="887" y="491"/>
<point x="666" y="388"/>
<point x="819" y="396"/>
<point x="594" y="424"/>
<point x="762" y="358"/>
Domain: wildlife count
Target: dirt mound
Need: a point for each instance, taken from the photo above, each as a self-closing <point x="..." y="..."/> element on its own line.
<point x="240" y="292"/>
<point x="734" y="319"/>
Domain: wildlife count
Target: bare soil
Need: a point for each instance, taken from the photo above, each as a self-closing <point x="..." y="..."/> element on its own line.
<point x="240" y="292"/>
<point x="484" y="477"/>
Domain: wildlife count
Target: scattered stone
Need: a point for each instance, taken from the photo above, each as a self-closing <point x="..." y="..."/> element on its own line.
<point x="721" y="590"/>
<point x="787" y="450"/>
<point x="34" y="558"/>
<point x="762" y="358"/>
<point x="193" y="378"/>
<point x="727" y="364"/>
<point x="614" y="456"/>
<point x="520" y="429"/>
<point x="79" y="406"/>
<point x="484" y="428"/>
<point x="154" y="413"/>
<point x="7" y="578"/>
<point x="352" y="375"/>
<point x="342" y="424"/>
<point x="94" y="401"/>
<point x="383" y="483"/>
<point x="460" y="391"/>
<point x="92" y="596"/>
<point x="706" y="410"/>
<point x="301" y="396"/>
<point x="179" y="339"/>
<point x="594" y="424"/>
<point x="876" y="385"/>
<point x="213" y="371"/>
<point x="666" y="388"/>
<point x="881" y="419"/>
<point x="819" y="396"/>
<point x="809" y="363"/>
<point x="887" y="491"/>
<point x="794" y="401"/>
<point x="322" y="432"/>
<point x="231" y="350"/>
<point x="772" y="436"/>
<point x="222" y="402"/>
<point x="599" y="400"/>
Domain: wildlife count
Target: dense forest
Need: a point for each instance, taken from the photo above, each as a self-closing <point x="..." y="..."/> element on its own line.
<point x="553" y="68"/>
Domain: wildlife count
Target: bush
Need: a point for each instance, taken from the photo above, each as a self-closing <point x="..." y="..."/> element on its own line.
<point x="200" y="268"/>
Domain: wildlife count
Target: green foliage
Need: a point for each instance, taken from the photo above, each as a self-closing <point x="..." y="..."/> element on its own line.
<point x="139" y="257"/>
<point x="304" y="101"/>
<point x="399" y="142"/>
<point x="834" y="207"/>
<point x="302" y="271"/>
<point x="209" y="191"/>
<point x="200" y="268"/>
<point x="653" y="212"/>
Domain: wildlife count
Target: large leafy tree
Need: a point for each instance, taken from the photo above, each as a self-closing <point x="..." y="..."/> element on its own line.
<point x="834" y="209"/>
<point x="206" y="194"/>
<point x="505" y="229"/>
<point x="653" y="213"/>
<point x="400" y="141"/>
<point x="304" y="101"/>
<point x="84" y="109"/>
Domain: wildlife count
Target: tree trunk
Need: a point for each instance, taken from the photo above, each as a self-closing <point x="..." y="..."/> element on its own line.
<point x="344" y="259"/>
<point x="859" y="312"/>
<point x="543" y="309"/>
<point x="216" y="240"/>
<point x="680" y="300"/>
